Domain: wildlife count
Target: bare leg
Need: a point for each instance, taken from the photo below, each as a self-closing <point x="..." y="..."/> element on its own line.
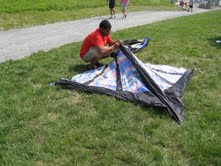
<point x="96" y="59"/>
<point x="113" y="12"/>
<point x="123" y="11"/>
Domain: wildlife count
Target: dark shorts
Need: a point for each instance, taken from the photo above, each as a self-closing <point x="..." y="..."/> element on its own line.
<point x="191" y="6"/>
<point x="111" y="3"/>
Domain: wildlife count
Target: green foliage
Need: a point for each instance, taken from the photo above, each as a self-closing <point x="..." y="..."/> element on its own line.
<point x="44" y="125"/>
<point x="22" y="13"/>
<point x="13" y="6"/>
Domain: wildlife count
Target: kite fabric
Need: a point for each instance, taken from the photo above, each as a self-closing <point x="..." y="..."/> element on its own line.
<point x="127" y="78"/>
<point x="135" y="45"/>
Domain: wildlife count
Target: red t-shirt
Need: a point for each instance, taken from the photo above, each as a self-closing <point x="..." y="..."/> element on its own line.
<point x="96" y="39"/>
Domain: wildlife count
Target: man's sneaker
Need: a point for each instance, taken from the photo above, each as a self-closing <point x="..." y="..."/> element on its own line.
<point x="91" y="66"/>
<point x="99" y="64"/>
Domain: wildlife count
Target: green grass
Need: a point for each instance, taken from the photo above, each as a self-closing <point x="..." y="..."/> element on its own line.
<point x="23" y="13"/>
<point x="43" y="125"/>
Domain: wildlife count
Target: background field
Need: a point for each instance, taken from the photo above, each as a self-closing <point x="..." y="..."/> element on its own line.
<point x="43" y="125"/>
<point x="21" y="13"/>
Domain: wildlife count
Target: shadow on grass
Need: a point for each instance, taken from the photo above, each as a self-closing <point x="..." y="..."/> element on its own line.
<point x="216" y="42"/>
<point x="152" y="110"/>
<point x="79" y="68"/>
<point x="157" y="111"/>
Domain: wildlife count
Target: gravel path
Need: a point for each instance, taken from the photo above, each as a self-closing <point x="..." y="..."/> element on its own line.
<point x="18" y="43"/>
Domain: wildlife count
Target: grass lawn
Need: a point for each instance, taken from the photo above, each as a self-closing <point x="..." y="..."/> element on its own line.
<point x="43" y="125"/>
<point x="23" y="13"/>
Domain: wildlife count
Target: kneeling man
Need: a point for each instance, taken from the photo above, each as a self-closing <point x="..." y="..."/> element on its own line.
<point x="98" y="45"/>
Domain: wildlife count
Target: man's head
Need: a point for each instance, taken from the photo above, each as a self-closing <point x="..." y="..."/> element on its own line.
<point x="105" y="27"/>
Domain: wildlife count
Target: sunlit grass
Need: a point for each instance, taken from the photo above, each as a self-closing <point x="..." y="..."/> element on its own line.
<point x="44" y="125"/>
<point x="24" y="13"/>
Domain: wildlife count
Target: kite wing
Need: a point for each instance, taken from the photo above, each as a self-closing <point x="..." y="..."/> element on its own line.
<point x="127" y="78"/>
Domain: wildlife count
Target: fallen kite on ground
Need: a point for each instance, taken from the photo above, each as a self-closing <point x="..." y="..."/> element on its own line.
<point x="127" y="78"/>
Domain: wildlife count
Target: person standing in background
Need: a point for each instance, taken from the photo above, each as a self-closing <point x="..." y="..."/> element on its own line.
<point x="124" y="4"/>
<point x="181" y="4"/>
<point x="111" y="7"/>
<point x="190" y="6"/>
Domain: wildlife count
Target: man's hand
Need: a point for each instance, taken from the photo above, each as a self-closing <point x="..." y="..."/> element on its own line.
<point x="117" y="44"/>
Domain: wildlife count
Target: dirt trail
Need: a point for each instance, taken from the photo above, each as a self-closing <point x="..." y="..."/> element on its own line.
<point x="18" y="43"/>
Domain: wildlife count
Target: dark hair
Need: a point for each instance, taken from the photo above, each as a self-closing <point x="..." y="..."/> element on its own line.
<point x="105" y="24"/>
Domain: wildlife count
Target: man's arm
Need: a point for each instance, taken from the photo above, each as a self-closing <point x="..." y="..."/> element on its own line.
<point x="106" y="50"/>
<point x="113" y="42"/>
